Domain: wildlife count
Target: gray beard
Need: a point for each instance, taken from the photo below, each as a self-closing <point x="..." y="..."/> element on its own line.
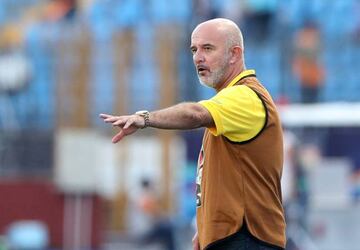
<point x="218" y="75"/>
<point x="208" y="85"/>
<point x="215" y="79"/>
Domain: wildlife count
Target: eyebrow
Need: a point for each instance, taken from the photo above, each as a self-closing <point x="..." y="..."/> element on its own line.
<point x="208" y="45"/>
<point x="203" y="45"/>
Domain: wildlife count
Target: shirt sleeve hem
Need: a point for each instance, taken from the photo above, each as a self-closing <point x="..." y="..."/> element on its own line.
<point x="218" y="129"/>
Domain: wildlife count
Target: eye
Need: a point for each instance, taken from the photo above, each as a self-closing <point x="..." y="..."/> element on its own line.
<point x="193" y="50"/>
<point x="208" y="48"/>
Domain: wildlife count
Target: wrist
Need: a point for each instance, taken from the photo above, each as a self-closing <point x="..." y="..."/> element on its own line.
<point x="146" y="116"/>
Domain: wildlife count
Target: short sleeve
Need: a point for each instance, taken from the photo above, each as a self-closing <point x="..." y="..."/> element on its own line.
<point x="238" y="113"/>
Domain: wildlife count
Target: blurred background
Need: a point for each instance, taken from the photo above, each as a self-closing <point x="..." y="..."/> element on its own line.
<point x="63" y="185"/>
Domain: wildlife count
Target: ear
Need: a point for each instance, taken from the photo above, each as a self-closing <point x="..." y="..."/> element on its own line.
<point x="236" y="54"/>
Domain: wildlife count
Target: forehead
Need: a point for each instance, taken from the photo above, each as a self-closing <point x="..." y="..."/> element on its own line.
<point x="207" y="34"/>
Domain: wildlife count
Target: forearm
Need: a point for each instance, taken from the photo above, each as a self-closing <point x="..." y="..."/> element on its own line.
<point x="181" y="116"/>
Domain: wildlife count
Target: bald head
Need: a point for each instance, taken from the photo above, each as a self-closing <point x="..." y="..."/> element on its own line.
<point x="217" y="48"/>
<point x="225" y="28"/>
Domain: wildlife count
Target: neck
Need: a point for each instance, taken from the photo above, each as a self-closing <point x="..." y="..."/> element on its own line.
<point x="227" y="79"/>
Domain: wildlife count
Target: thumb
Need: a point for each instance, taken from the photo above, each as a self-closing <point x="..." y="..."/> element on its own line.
<point x="118" y="136"/>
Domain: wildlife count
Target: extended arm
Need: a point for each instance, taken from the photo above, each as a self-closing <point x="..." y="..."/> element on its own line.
<point x="180" y="116"/>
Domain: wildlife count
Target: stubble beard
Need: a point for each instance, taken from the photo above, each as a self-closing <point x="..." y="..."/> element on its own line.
<point x="216" y="76"/>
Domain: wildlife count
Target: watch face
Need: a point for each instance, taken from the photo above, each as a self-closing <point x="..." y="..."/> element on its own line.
<point x="145" y="114"/>
<point x="142" y="112"/>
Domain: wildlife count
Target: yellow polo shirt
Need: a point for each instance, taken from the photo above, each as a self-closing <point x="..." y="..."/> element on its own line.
<point x="238" y="112"/>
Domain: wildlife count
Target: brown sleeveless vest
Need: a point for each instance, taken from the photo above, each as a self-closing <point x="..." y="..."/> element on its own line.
<point x="240" y="182"/>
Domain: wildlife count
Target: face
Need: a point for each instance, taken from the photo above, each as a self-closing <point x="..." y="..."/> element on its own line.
<point x="210" y="55"/>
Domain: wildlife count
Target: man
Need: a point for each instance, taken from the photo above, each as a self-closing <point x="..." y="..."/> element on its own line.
<point x="240" y="163"/>
<point x="307" y="66"/>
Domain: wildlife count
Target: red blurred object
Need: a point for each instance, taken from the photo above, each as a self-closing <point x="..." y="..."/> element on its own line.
<point x="40" y="200"/>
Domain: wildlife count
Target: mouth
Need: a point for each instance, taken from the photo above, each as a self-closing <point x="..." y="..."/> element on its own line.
<point x="201" y="70"/>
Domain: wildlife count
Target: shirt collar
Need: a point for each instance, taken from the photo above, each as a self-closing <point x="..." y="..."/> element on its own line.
<point x="240" y="76"/>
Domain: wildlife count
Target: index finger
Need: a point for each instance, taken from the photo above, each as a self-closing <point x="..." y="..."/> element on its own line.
<point x="104" y="116"/>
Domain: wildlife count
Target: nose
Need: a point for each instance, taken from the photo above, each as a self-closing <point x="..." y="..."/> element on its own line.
<point x="198" y="58"/>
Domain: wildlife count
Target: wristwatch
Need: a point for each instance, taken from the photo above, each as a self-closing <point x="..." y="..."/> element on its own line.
<point x="144" y="114"/>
